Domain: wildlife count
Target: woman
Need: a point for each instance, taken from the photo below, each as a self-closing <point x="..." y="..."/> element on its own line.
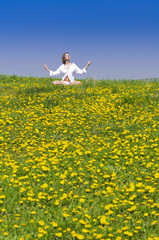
<point x="68" y="69"/>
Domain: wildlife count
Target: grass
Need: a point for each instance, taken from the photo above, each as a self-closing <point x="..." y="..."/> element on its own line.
<point x="79" y="162"/>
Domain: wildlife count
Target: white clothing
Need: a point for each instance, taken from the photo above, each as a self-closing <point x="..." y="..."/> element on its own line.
<point x="68" y="72"/>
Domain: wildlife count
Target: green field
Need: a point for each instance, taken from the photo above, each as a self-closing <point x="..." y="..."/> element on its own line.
<point x="79" y="162"/>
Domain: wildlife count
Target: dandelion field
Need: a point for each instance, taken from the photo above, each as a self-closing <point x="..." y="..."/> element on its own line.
<point x="79" y="162"/>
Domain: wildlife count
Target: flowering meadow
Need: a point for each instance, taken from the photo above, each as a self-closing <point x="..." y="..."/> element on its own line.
<point x="79" y="162"/>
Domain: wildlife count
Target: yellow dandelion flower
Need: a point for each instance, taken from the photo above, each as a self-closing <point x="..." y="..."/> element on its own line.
<point x="80" y="236"/>
<point x="74" y="234"/>
<point x="156" y="175"/>
<point x="5" y="233"/>
<point x="66" y="215"/>
<point x="87" y="216"/>
<point x="57" y="202"/>
<point x="45" y="185"/>
<point x="58" y="234"/>
<point x="85" y="230"/>
<point x="2" y="196"/>
<point x="103" y="221"/>
<point x="138" y="227"/>
<point x="130" y="234"/>
<point x="107" y="207"/>
<point x="118" y="238"/>
<point x="68" y="229"/>
<point x="33" y="212"/>
<point x="54" y="224"/>
<point x="82" y="221"/>
<point x="98" y="236"/>
<point x="154" y="222"/>
<point x="152" y="190"/>
<point x="132" y="208"/>
<point x="16" y="226"/>
<point x="40" y="235"/>
<point x="132" y="187"/>
<point x="145" y="214"/>
<point x="41" y="223"/>
<point x="62" y="176"/>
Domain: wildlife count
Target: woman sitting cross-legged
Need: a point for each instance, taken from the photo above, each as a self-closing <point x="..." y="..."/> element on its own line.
<point x="68" y="69"/>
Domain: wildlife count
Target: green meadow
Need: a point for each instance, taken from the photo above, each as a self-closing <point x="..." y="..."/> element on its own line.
<point x="79" y="162"/>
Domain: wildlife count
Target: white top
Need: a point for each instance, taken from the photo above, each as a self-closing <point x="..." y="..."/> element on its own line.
<point x="68" y="72"/>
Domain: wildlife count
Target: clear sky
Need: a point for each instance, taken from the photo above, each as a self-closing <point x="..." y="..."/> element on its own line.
<point x="121" y="37"/>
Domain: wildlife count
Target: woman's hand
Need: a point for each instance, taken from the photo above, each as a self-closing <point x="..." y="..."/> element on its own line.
<point x="89" y="63"/>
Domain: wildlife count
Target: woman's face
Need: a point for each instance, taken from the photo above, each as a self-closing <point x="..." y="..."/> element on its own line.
<point x="67" y="57"/>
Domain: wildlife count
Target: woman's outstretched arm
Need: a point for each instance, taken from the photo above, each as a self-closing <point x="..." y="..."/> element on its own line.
<point x="89" y="62"/>
<point x="81" y="71"/>
<point x="58" y="71"/>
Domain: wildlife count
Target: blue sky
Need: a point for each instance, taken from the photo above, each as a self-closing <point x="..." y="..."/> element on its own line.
<point x="121" y="37"/>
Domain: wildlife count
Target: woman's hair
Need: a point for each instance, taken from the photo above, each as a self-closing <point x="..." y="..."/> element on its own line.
<point x="63" y="58"/>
